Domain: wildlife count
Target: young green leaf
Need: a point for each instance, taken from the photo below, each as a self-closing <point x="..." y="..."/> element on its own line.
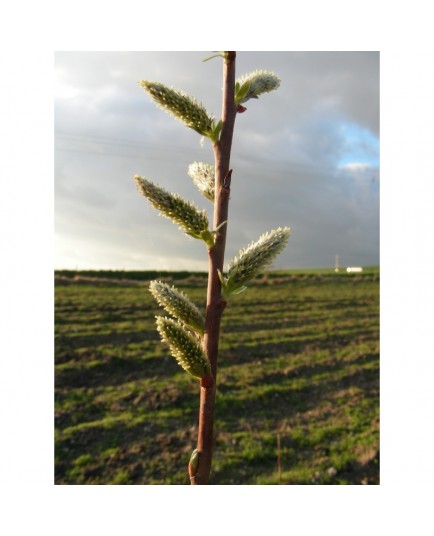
<point x="193" y="464"/>
<point x="218" y="55"/>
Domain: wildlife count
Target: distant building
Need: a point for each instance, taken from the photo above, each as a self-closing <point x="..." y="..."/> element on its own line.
<point x="354" y="269"/>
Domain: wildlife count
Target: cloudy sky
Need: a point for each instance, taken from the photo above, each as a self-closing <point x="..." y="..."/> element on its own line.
<point x="305" y="156"/>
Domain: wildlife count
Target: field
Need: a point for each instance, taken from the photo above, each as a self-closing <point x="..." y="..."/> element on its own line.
<point x="298" y="384"/>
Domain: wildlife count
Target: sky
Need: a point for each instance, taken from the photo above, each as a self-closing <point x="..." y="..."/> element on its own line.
<point x="305" y="156"/>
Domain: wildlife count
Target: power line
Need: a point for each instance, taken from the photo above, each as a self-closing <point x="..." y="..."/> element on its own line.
<point x="102" y="140"/>
<point x="267" y="163"/>
<point x="104" y="154"/>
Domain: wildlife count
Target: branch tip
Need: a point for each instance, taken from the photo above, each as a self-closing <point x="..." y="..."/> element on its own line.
<point x="230" y="56"/>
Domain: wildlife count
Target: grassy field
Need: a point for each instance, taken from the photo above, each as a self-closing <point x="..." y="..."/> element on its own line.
<point x="298" y="384"/>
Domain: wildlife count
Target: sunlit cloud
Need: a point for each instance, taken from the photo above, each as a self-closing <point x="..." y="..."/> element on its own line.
<point x="356" y="166"/>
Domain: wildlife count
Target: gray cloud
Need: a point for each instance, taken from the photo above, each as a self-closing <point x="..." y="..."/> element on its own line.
<point x="286" y="154"/>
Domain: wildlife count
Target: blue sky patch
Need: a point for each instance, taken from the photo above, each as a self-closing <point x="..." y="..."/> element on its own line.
<point x="360" y="145"/>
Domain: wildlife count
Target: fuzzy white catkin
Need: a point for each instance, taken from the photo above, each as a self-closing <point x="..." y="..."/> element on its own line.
<point x="190" y="219"/>
<point x="181" y="106"/>
<point x="203" y="176"/>
<point x="176" y="303"/>
<point x="185" y="348"/>
<point x="259" y="82"/>
<point x="251" y="260"/>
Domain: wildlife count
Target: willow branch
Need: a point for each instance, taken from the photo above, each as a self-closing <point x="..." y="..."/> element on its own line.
<point x="215" y="305"/>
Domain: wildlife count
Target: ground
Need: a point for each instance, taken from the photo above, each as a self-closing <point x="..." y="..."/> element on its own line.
<point x="298" y="384"/>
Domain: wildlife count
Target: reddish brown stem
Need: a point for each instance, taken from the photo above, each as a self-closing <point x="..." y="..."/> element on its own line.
<point x="215" y="304"/>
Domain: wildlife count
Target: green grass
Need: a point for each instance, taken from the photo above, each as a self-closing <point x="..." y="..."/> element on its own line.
<point x="299" y="356"/>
